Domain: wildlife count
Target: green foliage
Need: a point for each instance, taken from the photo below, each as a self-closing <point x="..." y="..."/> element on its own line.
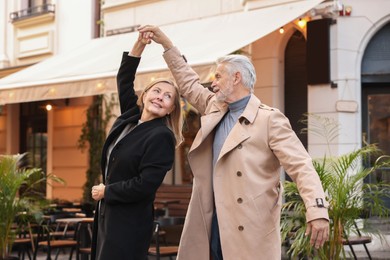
<point x="348" y="195"/>
<point x="18" y="194"/>
<point x="93" y="135"/>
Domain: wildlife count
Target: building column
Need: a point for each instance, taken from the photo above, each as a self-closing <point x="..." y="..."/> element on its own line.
<point x="12" y="129"/>
<point x="4" y="60"/>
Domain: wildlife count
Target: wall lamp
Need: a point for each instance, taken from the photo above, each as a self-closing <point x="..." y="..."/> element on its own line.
<point x="301" y="23"/>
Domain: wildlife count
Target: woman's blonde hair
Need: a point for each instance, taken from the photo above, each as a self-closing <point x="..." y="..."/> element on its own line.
<point x="174" y="120"/>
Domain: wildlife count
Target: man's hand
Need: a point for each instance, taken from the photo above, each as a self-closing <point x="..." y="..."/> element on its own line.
<point x="154" y="33"/>
<point x="319" y="230"/>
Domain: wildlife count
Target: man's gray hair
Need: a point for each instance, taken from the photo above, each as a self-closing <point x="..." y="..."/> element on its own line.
<point x="242" y="64"/>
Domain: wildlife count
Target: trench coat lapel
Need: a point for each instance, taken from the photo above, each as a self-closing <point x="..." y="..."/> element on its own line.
<point x="240" y="132"/>
<point x="115" y="131"/>
<point x="209" y="122"/>
<point x="237" y="135"/>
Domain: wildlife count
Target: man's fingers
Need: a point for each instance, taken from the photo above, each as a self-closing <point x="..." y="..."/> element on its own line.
<point x="313" y="234"/>
<point x="319" y="232"/>
<point x="313" y="238"/>
<point x="308" y="230"/>
<point x="318" y="237"/>
<point x="324" y="238"/>
<point x="149" y="31"/>
<point x="145" y="28"/>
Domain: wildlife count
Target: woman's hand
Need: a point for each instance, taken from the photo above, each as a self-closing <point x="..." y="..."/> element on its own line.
<point x="98" y="191"/>
<point x="154" y="33"/>
<point x="140" y="44"/>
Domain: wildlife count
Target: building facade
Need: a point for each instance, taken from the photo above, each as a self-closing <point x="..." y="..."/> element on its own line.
<point x="329" y="58"/>
<point x="33" y="31"/>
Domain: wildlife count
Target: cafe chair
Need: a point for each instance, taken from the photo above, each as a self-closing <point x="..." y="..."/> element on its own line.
<point x="23" y="246"/>
<point x="46" y="242"/>
<point x="160" y="246"/>
<point x="84" y="238"/>
<point x="23" y="242"/>
<point x="357" y="240"/>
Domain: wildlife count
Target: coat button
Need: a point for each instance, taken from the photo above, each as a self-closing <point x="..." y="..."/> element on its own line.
<point x="239" y="146"/>
<point x="240" y="228"/>
<point x="246" y="122"/>
<point x="239" y="200"/>
<point x="239" y="174"/>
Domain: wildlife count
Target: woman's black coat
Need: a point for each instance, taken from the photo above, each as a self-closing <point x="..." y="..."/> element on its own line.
<point x="136" y="168"/>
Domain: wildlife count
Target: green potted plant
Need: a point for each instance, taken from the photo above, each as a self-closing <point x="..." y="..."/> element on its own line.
<point x="348" y="195"/>
<point x="19" y="196"/>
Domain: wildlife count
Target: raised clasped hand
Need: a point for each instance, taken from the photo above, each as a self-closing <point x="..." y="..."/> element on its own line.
<point x="154" y="33"/>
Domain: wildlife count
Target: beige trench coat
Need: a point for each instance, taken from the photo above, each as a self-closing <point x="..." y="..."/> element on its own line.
<point x="246" y="183"/>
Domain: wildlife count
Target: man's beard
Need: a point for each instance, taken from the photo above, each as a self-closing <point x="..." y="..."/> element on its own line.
<point x="224" y="95"/>
<point x="221" y="96"/>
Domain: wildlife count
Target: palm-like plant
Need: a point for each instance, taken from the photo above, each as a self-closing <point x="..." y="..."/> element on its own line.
<point x="15" y="176"/>
<point x="342" y="178"/>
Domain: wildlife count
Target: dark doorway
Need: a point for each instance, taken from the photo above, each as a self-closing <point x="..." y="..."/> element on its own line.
<point x="295" y="88"/>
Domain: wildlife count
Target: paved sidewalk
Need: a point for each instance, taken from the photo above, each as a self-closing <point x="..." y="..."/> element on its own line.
<point x="379" y="250"/>
<point x="65" y="256"/>
<point x="377" y="253"/>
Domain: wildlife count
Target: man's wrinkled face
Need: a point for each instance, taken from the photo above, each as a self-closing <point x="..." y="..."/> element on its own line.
<point x="222" y="84"/>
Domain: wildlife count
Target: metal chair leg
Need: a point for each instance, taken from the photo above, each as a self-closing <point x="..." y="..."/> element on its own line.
<point x="368" y="252"/>
<point x="353" y="251"/>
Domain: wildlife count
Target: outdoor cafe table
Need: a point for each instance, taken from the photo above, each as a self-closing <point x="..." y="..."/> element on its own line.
<point x="165" y="203"/>
<point x="71" y="221"/>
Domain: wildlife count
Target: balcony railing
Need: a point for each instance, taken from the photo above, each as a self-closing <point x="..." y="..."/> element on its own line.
<point x="122" y="30"/>
<point x="32" y="11"/>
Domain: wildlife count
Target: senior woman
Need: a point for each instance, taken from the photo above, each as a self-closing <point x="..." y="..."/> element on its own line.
<point x="136" y="156"/>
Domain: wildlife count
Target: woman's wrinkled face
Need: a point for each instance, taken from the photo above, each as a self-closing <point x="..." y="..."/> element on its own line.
<point x="158" y="101"/>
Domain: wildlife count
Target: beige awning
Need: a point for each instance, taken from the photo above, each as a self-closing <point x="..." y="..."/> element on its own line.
<point x="91" y="68"/>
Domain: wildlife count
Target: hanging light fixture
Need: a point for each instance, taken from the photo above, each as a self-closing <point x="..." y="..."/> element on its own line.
<point x="301" y="23"/>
